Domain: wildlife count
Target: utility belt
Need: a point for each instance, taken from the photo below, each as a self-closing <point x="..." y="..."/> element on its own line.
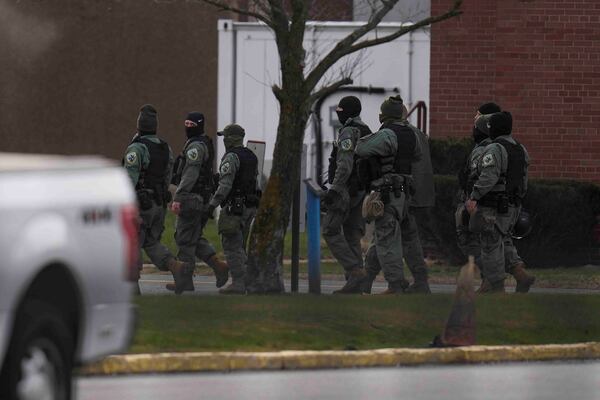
<point x="235" y="204"/>
<point x="500" y="201"/>
<point x="395" y="185"/>
<point x="148" y="197"/>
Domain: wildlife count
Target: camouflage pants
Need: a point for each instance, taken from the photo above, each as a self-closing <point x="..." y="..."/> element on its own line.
<point x="470" y="242"/>
<point x="411" y="248"/>
<point x="234" y="231"/>
<point x="188" y="232"/>
<point x="343" y="227"/>
<point x="151" y="229"/>
<point x="497" y="249"/>
<point x="385" y="251"/>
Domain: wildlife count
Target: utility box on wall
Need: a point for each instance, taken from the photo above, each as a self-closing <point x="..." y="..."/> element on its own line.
<point x="249" y="67"/>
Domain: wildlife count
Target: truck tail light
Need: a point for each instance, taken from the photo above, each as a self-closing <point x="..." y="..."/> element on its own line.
<point x="130" y="225"/>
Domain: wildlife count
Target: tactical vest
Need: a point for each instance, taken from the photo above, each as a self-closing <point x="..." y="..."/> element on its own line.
<point x="205" y="181"/>
<point x="244" y="184"/>
<point x="353" y="182"/>
<point x="407" y="142"/>
<point x="515" y="172"/>
<point x="153" y="176"/>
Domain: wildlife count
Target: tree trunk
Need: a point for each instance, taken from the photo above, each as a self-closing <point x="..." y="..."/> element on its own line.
<point x="265" y="261"/>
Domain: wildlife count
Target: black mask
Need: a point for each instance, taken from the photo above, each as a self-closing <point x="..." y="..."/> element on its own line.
<point x="479" y="136"/>
<point x="350" y="106"/>
<point x="198" y="119"/>
<point x="194" y="131"/>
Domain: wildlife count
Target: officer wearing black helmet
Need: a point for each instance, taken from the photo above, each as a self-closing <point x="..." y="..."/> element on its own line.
<point x="495" y="202"/>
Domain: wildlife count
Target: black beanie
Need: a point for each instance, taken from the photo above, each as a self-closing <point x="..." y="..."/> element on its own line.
<point x="350" y="108"/>
<point x="147" y="121"/>
<point x="500" y="124"/>
<point x="198" y="118"/>
<point x="489" y="108"/>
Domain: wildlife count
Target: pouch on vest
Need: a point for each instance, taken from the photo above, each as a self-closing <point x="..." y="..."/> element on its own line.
<point x="144" y="198"/>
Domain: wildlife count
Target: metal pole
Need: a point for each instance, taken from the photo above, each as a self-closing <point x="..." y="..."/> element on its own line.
<point x="314" y="237"/>
<point x="296" y="238"/>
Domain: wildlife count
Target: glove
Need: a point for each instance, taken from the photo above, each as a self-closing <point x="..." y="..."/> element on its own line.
<point x="209" y="212"/>
<point x="330" y="197"/>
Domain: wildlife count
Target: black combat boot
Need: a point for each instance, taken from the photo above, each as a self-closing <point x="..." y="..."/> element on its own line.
<point x="421" y="284"/>
<point x="497" y="287"/>
<point x="396" y="287"/>
<point x="354" y="282"/>
<point x="367" y="284"/>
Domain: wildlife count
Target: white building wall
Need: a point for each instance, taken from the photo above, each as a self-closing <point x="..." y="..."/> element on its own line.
<point x="249" y="67"/>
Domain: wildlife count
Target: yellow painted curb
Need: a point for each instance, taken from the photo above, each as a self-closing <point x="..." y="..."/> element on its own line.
<point x="235" y="361"/>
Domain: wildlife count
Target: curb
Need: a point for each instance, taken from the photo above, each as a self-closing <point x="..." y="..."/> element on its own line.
<point x="291" y="360"/>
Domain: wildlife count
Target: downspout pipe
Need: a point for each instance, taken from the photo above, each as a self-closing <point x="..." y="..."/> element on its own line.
<point x="317" y="120"/>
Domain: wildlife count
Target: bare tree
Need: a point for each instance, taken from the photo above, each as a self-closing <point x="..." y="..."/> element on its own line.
<point x="298" y="90"/>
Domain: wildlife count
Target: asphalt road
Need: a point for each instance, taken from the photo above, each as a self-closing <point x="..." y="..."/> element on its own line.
<point x="531" y="381"/>
<point x="155" y="284"/>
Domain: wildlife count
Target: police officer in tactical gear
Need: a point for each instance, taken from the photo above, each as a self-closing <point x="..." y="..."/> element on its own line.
<point x="195" y="184"/>
<point x="149" y="162"/>
<point x="343" y="225"/>
<point x="495" y="202"/>
<point x="385" y="164"/>
<point x="237" y="196"/>
<point x="468" y="241"/>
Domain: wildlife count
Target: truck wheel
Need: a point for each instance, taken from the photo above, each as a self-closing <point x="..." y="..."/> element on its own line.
<point x="40" y="355"/>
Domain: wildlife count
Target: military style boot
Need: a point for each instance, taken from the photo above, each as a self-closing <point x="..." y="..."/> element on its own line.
<point x="421" y="284"/>
<point x="397" y="287"/>
<point x="220" y="268"/>
<point x="182" y="275"/>
<point x="236" y="287"/>
<point x="524" y="280"/>
<point x="367" y="284"/>
<point x="485" y="287"/>
<point x="353" y="284"/>
<point x="497" y="287"/>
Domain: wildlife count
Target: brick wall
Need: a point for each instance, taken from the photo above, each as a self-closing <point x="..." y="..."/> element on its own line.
<point x="539" y="59"/>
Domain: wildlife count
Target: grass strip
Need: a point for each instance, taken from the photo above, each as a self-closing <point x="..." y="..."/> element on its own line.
<point x="305" y="322"/>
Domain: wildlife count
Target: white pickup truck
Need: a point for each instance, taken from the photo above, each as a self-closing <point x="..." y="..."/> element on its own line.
<point x="68" y="251"/>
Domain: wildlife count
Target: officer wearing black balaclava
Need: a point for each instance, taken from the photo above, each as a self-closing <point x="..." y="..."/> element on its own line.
<point x="195" y="185"/>
<point x="343" y="225"/>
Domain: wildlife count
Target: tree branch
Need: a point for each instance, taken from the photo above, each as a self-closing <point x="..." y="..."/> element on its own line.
<point x="347" y="46"/>
<point x="226" y="7"/>
<point x="334" y="55"/>
<point x="329" y="89"/>
<point x="453" y="12"/>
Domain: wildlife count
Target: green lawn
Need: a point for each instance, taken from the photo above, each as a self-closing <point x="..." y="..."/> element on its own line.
<point x="210" y="233"/>
<point x="218" y="323"/>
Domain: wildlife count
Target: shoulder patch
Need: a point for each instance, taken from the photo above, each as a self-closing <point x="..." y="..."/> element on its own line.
<point x="488" y="160"/>
<point x="192" y="154"/>
<point x="131" y="158"/>
<point x="225" y="168"/>
<point x="346" y="144"/>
